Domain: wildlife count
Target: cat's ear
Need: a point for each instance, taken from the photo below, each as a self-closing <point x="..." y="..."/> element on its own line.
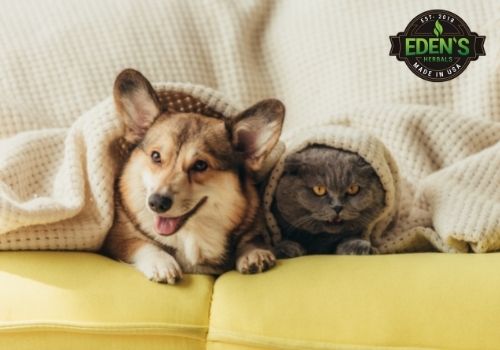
<point x="256" y="131"/>
<point x="293" y="164"/>
<point x="136" y="103"/>
<point x="363" y="167"/>
<point x="360" y="162"/>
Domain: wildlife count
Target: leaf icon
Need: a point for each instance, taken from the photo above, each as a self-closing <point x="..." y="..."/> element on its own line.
<point x="438" y="28"/>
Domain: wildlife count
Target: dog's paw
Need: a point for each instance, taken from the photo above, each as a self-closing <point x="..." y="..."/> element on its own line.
<point x="255" y="260"/>
<point x="288" y="249"/>
<point x="356" y="247"/>
<point x="159" y="266"/>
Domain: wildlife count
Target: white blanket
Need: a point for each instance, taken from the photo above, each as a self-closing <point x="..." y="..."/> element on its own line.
<point x="324" y="59"/>
<point x="446" y="195"/>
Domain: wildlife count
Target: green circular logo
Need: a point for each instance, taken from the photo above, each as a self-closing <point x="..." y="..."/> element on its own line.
<point x="437" y="45"/>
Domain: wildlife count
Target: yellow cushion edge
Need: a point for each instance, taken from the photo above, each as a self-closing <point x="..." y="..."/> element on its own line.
<point x="216" y="337"/>
<point x="193" y="332"/>
<point x="57" y="340"/>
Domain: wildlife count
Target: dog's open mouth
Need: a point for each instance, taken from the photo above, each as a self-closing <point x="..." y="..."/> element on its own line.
<point x="168" y="226"/>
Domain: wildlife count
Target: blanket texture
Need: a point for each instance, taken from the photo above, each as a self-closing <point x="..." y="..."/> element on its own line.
<point x="328" y="61"/>
<point x="447" y="196"/>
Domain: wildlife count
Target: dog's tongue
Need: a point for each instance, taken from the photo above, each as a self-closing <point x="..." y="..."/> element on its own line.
<point x="166" y="226"/>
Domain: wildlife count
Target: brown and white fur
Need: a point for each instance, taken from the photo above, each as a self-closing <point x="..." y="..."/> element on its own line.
<point x="186" y="199"/>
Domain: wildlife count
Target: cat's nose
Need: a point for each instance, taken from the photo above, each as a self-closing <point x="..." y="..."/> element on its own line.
<point x="159" y="203"/>
<point x="338" y="208"/>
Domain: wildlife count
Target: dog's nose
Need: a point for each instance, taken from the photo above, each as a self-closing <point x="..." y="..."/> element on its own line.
<point x="338" y="208"/>
<point x="159" y="203"/>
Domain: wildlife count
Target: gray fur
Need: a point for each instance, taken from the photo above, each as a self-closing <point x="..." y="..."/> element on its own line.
<point x="309" y="220"/>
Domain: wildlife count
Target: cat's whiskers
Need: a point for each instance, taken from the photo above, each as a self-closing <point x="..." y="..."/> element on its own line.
<point x="306" y="219"/>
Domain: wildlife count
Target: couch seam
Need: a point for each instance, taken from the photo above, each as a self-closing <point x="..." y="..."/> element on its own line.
<point x="96" y="328"/>
<point x="238" y="338"/>
<point x="210" y="311"/>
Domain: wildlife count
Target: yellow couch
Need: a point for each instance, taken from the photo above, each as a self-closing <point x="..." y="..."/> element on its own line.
<point x="416" y="301"/>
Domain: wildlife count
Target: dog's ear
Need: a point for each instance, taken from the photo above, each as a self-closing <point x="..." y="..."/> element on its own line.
<point x="136" y="102"/>
<point x="256" y="130"/>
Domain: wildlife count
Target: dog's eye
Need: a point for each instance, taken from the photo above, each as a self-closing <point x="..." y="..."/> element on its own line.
<point x="200" y="165"/>
<point x="156" y="157"/>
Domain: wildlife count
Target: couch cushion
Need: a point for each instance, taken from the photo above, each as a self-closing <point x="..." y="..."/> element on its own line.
<point x="86" y="301"/>
<point x="417" y="301"/>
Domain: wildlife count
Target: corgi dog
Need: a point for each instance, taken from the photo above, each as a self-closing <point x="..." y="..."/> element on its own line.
<point x="186" y="197"/>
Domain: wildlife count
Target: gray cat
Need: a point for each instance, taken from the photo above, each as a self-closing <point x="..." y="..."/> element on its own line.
<point x="324" y="201"/>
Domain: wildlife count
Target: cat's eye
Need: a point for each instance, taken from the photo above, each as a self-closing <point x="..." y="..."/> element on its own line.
<point x="319" y="190"/>
<point x="156" y="157"/>
<point x="353" y="189"/>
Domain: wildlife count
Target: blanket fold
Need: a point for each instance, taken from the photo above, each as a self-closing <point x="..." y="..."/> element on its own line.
<point x="447" y="194"/>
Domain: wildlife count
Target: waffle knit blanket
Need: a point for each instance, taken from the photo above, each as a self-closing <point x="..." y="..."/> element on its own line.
<point x="447" y="196"/>
<point x="328" y="61"/>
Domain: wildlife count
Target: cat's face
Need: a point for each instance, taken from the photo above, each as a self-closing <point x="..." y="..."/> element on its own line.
<point x="325" y="190"/>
